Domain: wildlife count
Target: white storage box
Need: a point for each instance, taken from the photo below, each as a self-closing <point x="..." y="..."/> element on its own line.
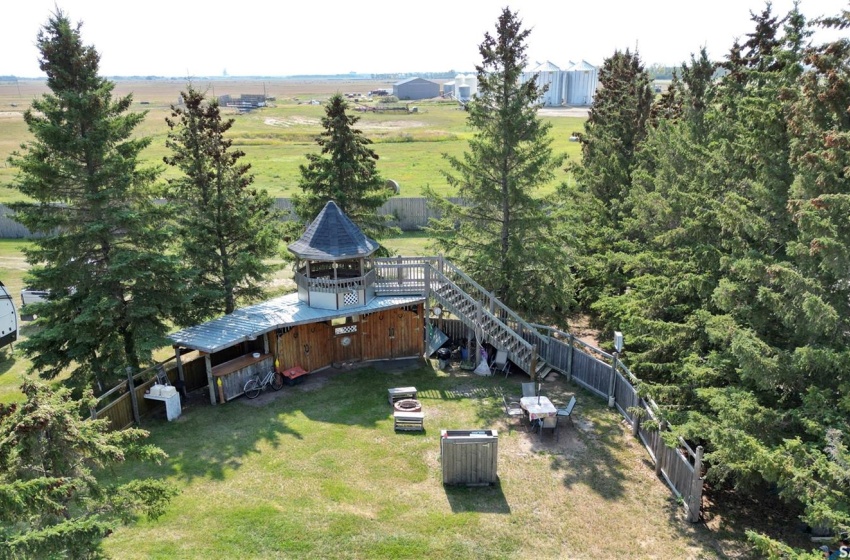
<point x="155" y="390"/>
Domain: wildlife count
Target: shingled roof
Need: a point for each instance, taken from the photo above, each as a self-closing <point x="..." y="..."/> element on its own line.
<point x="332" y="236"/>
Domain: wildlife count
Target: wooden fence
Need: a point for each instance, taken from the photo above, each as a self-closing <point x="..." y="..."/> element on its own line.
<point x="409" y="214"/>
<point x="605" y="376"/>
<point x="116" y="405"/>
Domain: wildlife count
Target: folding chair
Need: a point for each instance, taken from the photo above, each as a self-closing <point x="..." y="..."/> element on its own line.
<point x="529" y="389"/>
<point x="500" y="362"/>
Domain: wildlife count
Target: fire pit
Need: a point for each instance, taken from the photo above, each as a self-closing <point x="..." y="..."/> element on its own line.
<point x="408" y="405"/>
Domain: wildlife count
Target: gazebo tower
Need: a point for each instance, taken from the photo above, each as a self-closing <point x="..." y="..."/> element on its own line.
<point x="334" y="270"/>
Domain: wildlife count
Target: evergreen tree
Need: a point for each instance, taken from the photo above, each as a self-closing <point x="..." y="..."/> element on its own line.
<point x="613" y="132"/>
<point x="226" y="228"/>
<point x="112" y="283"/>
<point x="503" y="235"/>
<point x="52" y="503"/>
<point x="345" y="171"/>
<point x="615" y="128"/>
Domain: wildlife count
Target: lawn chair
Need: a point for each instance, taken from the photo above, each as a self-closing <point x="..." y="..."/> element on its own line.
<point x="568" y="410"/>
<point x="529" y="389"/>
<point x="500" y="363"/>
<point x="513" y="409"/>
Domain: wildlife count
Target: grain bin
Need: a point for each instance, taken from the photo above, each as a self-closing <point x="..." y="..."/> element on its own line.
<point x="469" y="457"/>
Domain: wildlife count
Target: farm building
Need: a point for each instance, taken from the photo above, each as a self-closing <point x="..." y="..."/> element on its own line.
<point x="350" y="307"/>
<point x="337" y="316"/>
<point x="574" y="86"/>
<point x="551" y="77"/>
<point x="582" y="80"/>
<point x="416" y="88"/>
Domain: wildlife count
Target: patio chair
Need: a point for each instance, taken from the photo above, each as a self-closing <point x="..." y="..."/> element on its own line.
<point x="529" y="389"/>
<point x="500" y="363"/>
<point x="568" y="410"/>
<point x="513" y="409"/>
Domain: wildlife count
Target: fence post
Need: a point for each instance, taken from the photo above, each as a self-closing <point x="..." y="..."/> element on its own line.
<point x="611" y="398"/>
<point x="695" y="503"/>
<point x="570" y="358"/>
<point x="132" y="387"/>
<point x="636" y="422"/>
<point x="659" y="446"/>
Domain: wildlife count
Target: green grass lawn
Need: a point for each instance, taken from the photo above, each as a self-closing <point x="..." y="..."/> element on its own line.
<point x="316" y="471"/>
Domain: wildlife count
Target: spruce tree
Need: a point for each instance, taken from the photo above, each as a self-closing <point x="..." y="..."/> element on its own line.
<point x="226" y="229"/>
<point x="104" y="255"/>
<point x="52" y="501"/>
<point x="344" y="171"/>
<point x="503" y="234"/>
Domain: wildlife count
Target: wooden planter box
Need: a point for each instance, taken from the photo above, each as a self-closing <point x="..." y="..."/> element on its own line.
<point x="469" y="457"/>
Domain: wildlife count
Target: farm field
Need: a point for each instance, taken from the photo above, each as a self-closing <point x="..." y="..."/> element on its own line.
<point x="276" y="139"/>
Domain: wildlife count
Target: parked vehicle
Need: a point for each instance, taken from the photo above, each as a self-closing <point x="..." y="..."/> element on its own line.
<point x="8" y="318"/>
<point x="28" y="296"/>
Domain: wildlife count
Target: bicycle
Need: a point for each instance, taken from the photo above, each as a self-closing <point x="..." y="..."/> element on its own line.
<point x="255" y="385"/>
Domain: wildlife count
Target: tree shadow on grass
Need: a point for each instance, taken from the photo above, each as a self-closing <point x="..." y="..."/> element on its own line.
<point x="479" y="499"/>
<point x="594" y="463"/>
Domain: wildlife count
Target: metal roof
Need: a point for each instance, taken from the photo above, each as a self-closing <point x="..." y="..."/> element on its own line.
<point x="332" y="236"/>
<point x="255" y="320"/>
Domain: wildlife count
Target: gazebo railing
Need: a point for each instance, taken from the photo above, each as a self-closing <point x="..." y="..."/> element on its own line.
<point x="329" y="285"/>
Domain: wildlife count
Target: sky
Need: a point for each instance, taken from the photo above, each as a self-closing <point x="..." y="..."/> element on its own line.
<point x="284" y="38"/>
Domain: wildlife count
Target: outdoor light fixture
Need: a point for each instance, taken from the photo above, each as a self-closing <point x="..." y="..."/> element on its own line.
<point x="437" y="310"/>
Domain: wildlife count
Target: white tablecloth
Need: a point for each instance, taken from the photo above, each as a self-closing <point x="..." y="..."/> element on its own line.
<point x="538" y="407"/>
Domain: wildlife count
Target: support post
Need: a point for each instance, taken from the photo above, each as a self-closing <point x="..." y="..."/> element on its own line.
<point x="179" y="362"/>
<point x="131" y="386"/>
<point x="427" y="286"/>
<point x="266" y="343"/>
<point x="695" y="502"/>
<point x="659" y="446"/>
<point x="533" y="367"/>
<point x="611" y="398"/>
<point x="570" y="359"/>
<point x="208" y="364"/>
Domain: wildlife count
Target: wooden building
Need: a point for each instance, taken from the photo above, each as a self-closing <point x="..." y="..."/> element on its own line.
<point x="335" y="318"/>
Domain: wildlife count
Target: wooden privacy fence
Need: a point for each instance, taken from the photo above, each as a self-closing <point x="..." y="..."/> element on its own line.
<point x="409" y="214"/>
<point x="116" y="405"/>
<point x="586" y="365"/>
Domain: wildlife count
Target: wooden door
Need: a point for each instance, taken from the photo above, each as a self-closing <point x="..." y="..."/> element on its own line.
<point x="409" y="337"/>
<point x="309" y="346"/>
<point x="347" y="343"/>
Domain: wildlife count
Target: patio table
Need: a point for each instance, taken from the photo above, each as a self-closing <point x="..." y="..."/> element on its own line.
<point x="538" y="407"/>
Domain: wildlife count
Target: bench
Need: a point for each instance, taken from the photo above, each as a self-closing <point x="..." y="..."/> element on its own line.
<point x="409" y="421"/>
<point x="399" y="393"/>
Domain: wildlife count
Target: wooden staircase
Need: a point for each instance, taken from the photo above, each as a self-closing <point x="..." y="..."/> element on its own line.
<point x="438" y="280"/>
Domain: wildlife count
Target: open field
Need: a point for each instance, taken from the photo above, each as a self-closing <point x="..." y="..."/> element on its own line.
<point x="276" y="139"/>
<point x="316" y="471"/>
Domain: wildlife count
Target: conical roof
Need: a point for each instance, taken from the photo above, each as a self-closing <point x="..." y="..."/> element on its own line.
<point x="332" y="236"/>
